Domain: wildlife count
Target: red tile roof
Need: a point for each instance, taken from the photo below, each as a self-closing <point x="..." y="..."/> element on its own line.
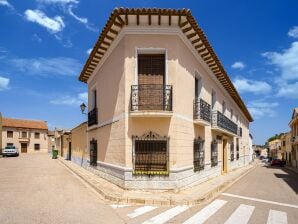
<point x="19" y="123"/>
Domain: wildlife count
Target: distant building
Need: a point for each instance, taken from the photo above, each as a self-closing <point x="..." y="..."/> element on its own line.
<point x="275" y="149"/>
<point x="294" y="137"/>
<point x="26" y="135"/>
<point x="51" y="141"/>
<point x="62" y="142"/>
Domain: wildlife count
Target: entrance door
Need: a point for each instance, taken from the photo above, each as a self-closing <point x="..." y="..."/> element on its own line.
<point x="69" y="150"/>
<point x="23" y="147"/>
<point x="224" y="156"/>
<point x="151" y="81"/>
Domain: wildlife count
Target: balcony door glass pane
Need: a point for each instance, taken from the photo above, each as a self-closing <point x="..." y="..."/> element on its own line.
<point x="151" y="81"/>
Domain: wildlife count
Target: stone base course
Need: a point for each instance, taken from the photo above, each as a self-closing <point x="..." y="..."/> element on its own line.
<point x="189" y="195"/>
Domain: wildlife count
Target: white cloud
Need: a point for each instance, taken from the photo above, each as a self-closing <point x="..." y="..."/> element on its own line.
<point x="71" y="100"/>
<point x="244" y="85"/>
<point x="58" y="1"/>
<point x="288" y="90"/>
<point x="286" y="61"/>
<point x="81" y="20"/>
<point x="4" y="83"/>
<point x="60" y="66"/>
<point x="5" y="3"/>
<point x="37" y="38"/>
<point x="89" y="51"/>
<point x="53" y="25"/>
<point x="260" y="108"/>
<point x="238" y="65"/>
<point x="293" y="32"/>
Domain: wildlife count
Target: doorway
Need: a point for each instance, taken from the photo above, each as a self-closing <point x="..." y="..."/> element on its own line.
<point x="224" y="156"/>
<point x="23" y="147"/>
<point x="69" y="151"/>
<point x="151" y="81"/>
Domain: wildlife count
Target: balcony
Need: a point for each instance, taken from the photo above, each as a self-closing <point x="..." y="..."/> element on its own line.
<point x="151" y="100"/>
<point x="201" y="112"/>
<point x="223" y="124"/>
<point x="92" y="117"/>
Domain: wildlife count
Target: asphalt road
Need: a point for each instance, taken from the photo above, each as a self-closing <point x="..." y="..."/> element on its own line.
<point x="36" y="189"/>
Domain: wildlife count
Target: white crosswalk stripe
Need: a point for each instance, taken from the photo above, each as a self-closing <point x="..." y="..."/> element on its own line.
<point x="167" y="215"/>
<point x="241" y="215"/>
<point x="119" y="206"/>
<point x="206" y="212"/>
<point x="277" y="217"/>
<point x="141" y="211"/>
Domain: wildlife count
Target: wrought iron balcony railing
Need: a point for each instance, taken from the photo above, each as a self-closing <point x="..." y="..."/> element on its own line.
<point x="92" y="117"/>
<point x="152" y="97"/>
<point x="220" y="120"/>
<point x="202" y="110"/>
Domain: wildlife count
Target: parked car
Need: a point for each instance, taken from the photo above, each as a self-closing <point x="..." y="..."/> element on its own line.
<point x="10" y="151"/>
<point x="277" y="162"/>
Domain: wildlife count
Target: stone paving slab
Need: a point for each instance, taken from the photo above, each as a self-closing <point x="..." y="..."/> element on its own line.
<point x="188" y="196"/>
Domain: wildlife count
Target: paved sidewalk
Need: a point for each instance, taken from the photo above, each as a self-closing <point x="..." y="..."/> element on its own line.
<point x="188" y="196"/>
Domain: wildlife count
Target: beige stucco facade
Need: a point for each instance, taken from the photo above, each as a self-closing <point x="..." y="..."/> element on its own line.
<point x="79" y="144"/>
<point x="1" y="134"/>
<point x="62" y="141"/>
<point x="275" y="150"/>
<point x="118" y="124"/>
<point x="294" y="137"/>
<point x="27" y="135"/>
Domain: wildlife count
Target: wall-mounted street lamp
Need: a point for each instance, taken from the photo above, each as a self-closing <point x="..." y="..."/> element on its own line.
<point x="83" y="108"/>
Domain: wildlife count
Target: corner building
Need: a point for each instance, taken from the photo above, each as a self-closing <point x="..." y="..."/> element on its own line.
<point x="163" y="113"/>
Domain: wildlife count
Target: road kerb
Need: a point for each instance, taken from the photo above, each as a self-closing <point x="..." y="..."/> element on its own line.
<point x="154" y="202"/>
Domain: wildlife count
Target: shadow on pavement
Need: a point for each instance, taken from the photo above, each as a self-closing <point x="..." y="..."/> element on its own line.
<point x="290" y="177"/>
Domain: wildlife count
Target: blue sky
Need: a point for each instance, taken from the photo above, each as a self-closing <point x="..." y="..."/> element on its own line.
<point x="45" y="43"/>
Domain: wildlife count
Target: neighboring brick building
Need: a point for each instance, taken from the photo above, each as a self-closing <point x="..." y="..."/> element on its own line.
<point x="26" y="135"/>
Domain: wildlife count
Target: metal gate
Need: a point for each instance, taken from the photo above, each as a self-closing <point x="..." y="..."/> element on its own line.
<point x="93" y="152"/>
<point x="214" y="153"/>
<point x="150" y="154"/>
<point x="199" y="154"/>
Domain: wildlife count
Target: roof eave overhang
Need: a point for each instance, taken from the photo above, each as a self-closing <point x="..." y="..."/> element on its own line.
<point x="121" y="17"/>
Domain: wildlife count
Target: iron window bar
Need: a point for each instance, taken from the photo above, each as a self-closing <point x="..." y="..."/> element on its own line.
<point x="199" y="154"/>
<point x="232" y="152"/>
<point x="150" y="154"/>
<point x="93" y="152"/>
<point x="237" y="152"/>
<point x="214" y="153"/>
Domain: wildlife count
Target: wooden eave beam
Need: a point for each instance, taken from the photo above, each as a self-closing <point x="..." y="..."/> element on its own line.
<point x="196" y="41"/>
<point x="184" y="24"/>
<point x="189" y="36"/>
<point x="113" y="31"/>
<point x="187" y="29"/>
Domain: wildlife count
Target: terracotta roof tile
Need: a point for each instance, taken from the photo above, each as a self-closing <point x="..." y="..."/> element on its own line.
<point x="19" y="123"/>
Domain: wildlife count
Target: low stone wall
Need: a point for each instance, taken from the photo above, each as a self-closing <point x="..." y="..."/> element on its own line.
<point x="177" y="179"/>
